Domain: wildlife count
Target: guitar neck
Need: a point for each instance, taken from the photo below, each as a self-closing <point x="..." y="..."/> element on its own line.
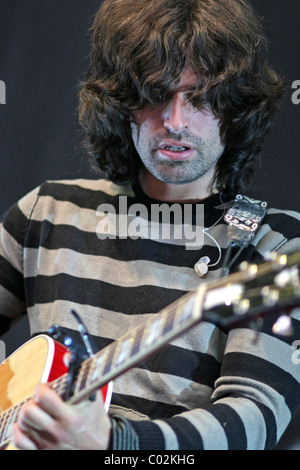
<point x="168" y="324"/>
<point x="151" y="336"/>
<point x="136" y="346"/>
<point x="123" y="354"/>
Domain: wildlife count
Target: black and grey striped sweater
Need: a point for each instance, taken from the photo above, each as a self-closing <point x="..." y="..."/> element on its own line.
<point x="208" y="389"/>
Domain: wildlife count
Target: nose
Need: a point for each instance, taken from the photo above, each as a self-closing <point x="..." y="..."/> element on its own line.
<point x="175" y="116"/>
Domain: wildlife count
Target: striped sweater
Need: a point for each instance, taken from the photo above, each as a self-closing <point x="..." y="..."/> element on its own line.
<point x="208" y="389"/>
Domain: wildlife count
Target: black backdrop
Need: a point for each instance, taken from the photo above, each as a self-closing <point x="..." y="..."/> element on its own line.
<point x="44" y="46"/>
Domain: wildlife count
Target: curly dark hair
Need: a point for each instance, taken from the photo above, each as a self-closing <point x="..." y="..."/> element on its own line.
<point x="139" y="49"/>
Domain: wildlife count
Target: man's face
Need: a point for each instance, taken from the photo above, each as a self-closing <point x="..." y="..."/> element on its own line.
<point x="176" y="142"/>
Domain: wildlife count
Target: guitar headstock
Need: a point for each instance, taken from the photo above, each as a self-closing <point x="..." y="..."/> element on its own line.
<point x="257" y="291"/>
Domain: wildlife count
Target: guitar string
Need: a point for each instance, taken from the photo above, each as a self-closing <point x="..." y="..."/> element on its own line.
<point x="10" y="415"/>
<point x="12" y="412"/>
<point x="168" y="317"/>
<point x="88" y="367"/>
<point x="59" y="384"/>
<point x="6" y="415"/>
<point x="167" y="320"/>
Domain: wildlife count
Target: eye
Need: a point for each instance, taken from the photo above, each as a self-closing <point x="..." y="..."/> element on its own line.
<point x="199" y="102"/>
<point x="166" y="97"/>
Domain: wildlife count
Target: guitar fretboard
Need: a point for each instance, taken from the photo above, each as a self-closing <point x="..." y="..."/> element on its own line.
<point x="10" y="415"/>
<point x="121" y="355"/>
<point x="138" y="344"/>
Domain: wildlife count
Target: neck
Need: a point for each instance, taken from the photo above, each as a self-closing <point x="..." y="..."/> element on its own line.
<point x="192" y="192"/>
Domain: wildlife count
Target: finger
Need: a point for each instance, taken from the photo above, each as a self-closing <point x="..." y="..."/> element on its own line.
<point x="38" y="426"/>
<point x="32" y="416"/>
<point x="21" y="440"/>
<point x="96" y="401"/>
<point x="50" y="402"/>
<point x="28" y="438"/>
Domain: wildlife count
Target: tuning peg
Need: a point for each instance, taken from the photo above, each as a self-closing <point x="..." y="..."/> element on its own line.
<point x="241" y="306"/>
<point x="279" y="259"/>
<point x="283" y="326"/>
<point x="270" y="295"/>
<point x="287" y="277"/>
<point x="251" y="269"/>
<point x="270" y="256"/>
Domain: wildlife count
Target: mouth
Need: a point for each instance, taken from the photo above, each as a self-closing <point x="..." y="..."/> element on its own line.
<point x="176" y="151"/>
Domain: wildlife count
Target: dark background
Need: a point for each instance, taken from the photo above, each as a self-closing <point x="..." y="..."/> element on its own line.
<point x="44" y="47"/>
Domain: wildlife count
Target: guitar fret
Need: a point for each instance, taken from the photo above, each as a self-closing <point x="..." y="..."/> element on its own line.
<point x="152" y="332"/>
<point x="183" y="312"/>
<point x="127" y="348"/>
<point x="110" y="356"/>
<point x="97" y="366"/>
<point x="59" y="385"/>
<point x="7" y="423"/>
<point x="97" y="370"/>
<point x="123" y="351"/>
<point x="4" y="416"/>
<point x="82" y="377"/>
<point x="118" y="356"/>
<point x="168" y="326"/>
<point x="8" y="418"/>
<point x="11" y="420"/>
<point x="137" y="342"/>
<point x="121" y="354"/>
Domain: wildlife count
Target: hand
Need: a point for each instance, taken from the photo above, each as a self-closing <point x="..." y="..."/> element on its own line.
<point x="46" y="422"/>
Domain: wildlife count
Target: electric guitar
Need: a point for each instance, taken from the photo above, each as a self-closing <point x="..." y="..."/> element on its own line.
<point x="246" y="296"/>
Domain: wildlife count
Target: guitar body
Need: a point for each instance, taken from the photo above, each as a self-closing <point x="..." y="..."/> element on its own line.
<point x="40" y="360"/>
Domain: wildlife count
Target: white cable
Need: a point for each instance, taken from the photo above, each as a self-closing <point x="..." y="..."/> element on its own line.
<point x="211" y="237"/>
<point x="202" y="265"/>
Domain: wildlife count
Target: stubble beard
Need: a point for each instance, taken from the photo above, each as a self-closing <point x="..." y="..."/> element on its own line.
<point x="182" y="171"/>
<point x="204" y="160"/>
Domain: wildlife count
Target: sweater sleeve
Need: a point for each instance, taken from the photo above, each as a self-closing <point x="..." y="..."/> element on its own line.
<point x="13" y="225"/>
<point x="253" y="401"/>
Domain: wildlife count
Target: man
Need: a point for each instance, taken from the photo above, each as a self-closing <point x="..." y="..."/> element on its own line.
<point x="177" y="102"/>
